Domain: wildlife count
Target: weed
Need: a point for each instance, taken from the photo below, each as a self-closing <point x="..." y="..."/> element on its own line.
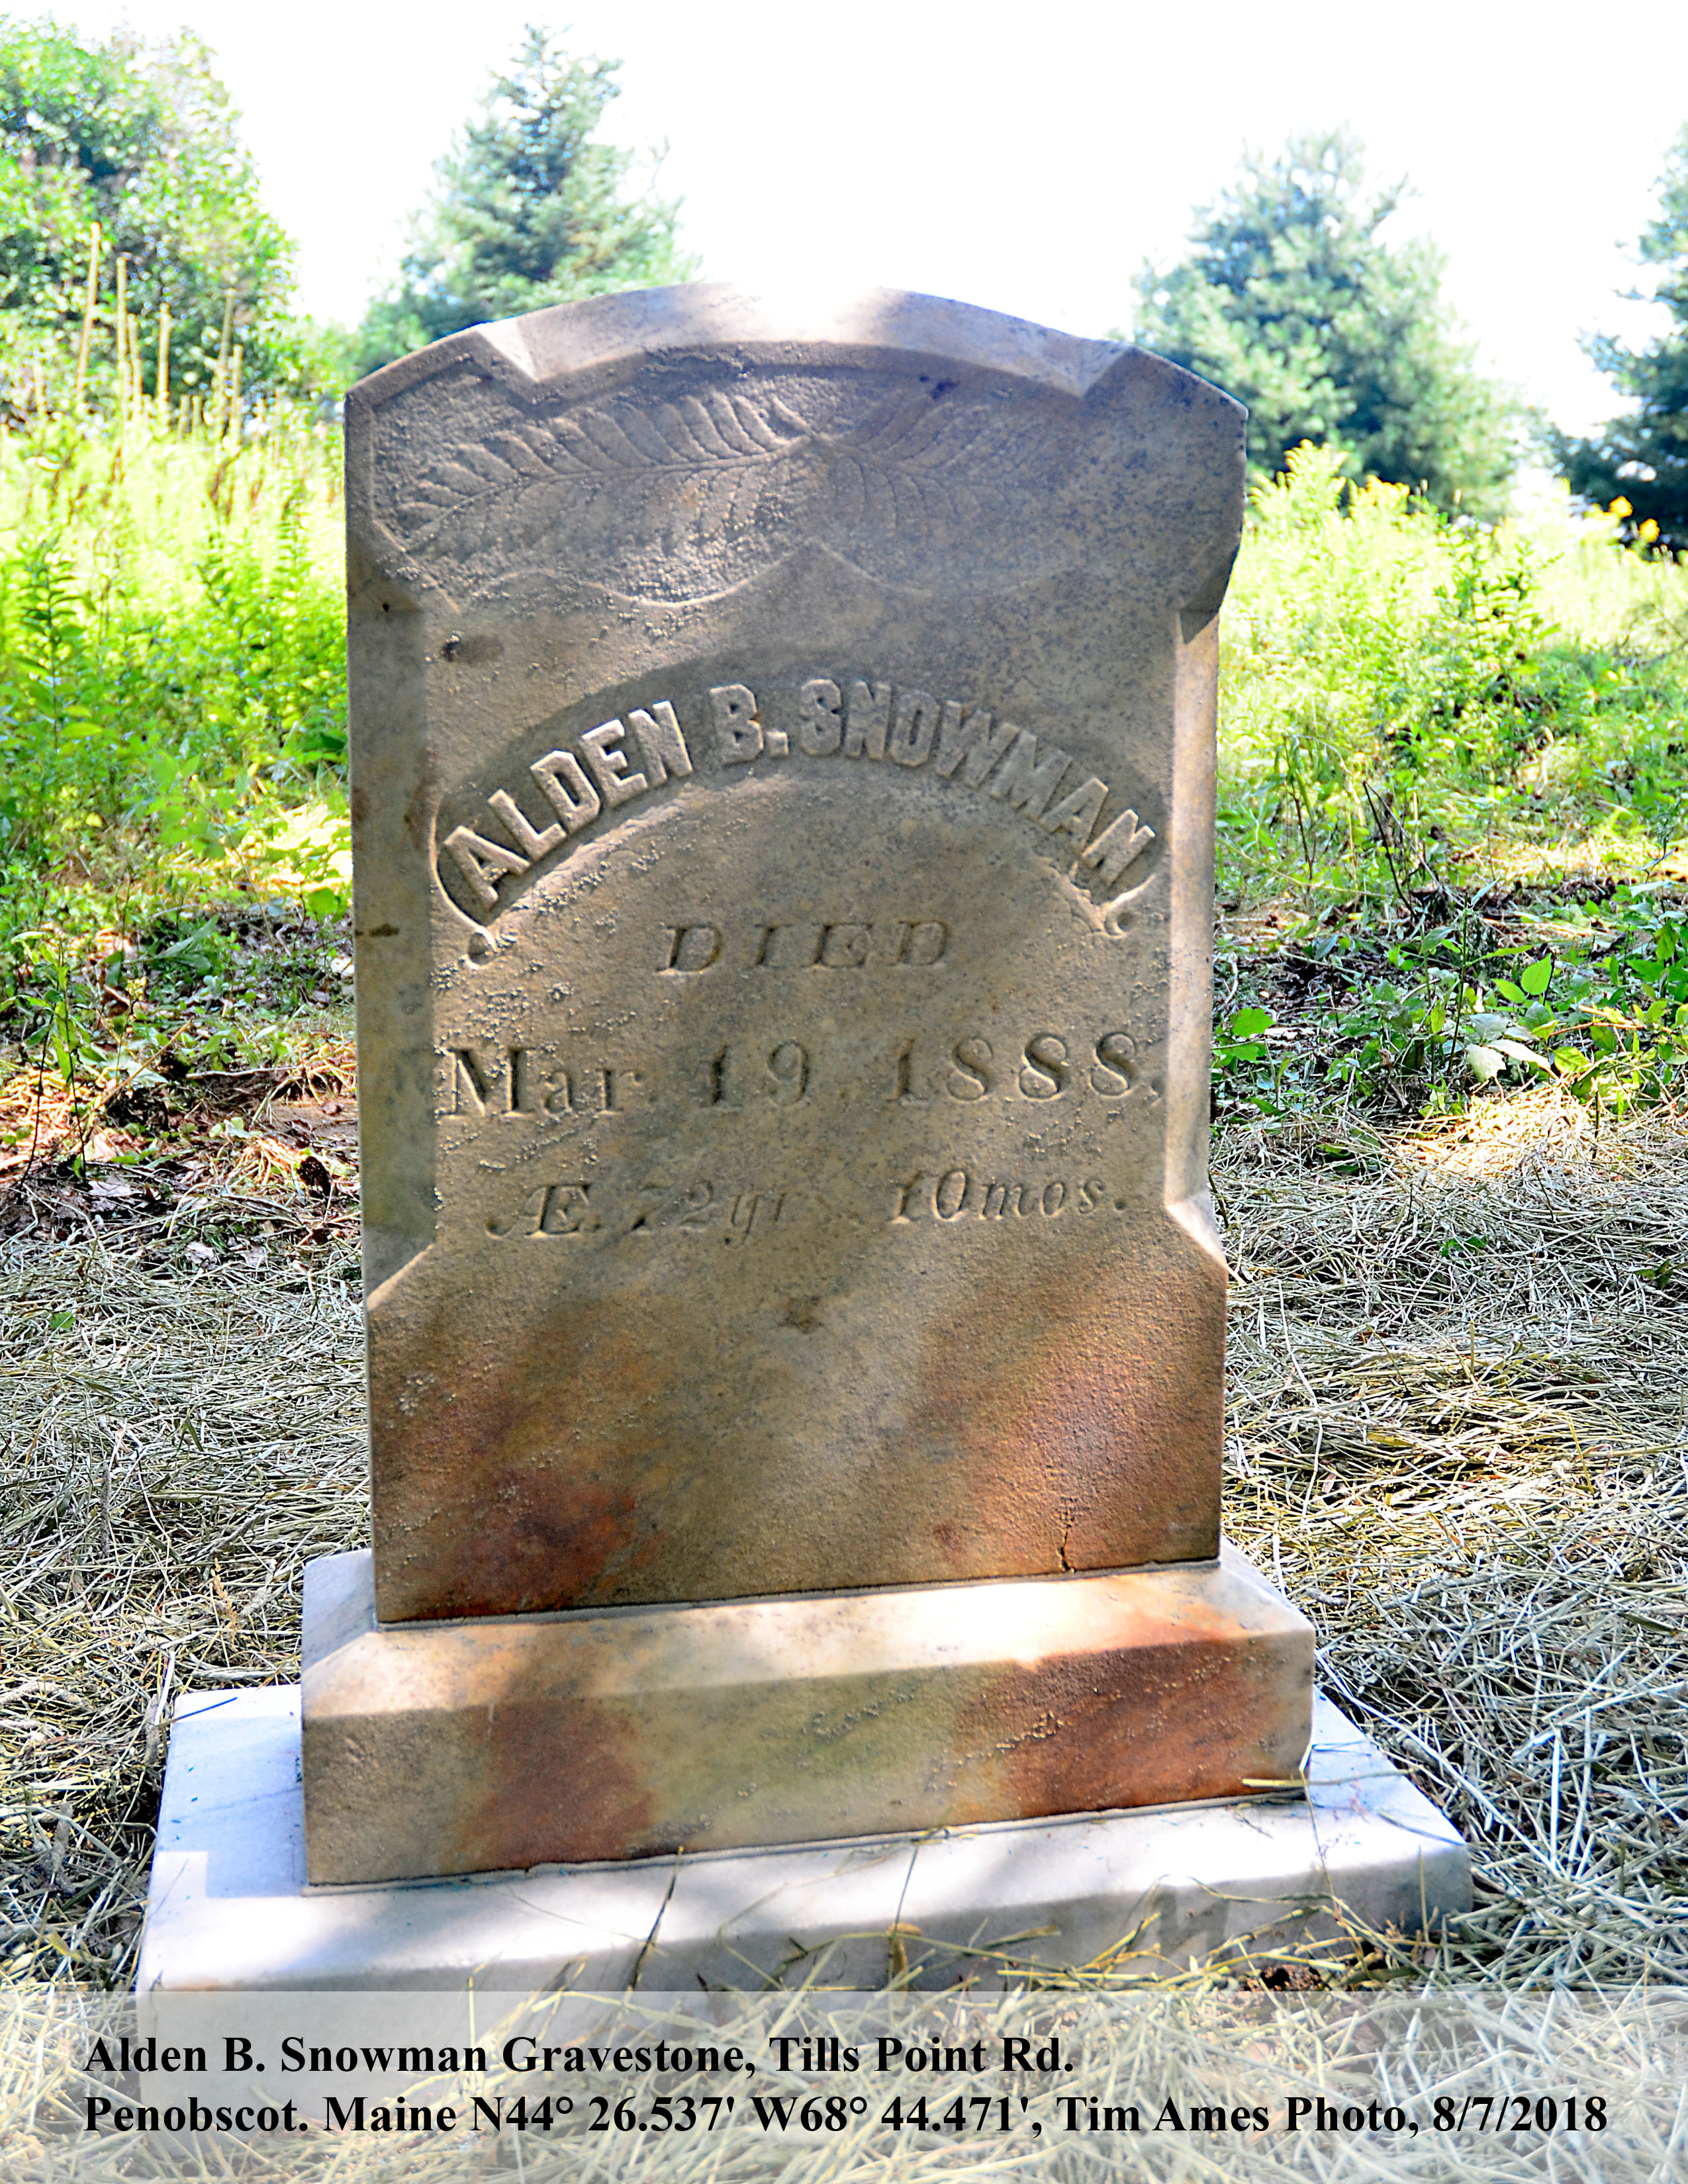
<point x="1406" y="700"/>
<point x="1398" y="689"/>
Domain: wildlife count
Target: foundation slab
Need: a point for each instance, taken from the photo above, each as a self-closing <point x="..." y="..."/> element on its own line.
<point x="452" y="1748"/>
<point x="229" y="1908"/>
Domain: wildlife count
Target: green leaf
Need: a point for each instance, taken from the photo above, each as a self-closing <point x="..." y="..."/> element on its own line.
<point x="1535" y="977"/>
<point x="1247" y="1022"/>
<point x="1509" y="992"/>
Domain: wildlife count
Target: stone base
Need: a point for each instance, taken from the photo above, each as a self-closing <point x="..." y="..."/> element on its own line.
<point x="433" y="1749"/>
<point x="230" y="1909"/>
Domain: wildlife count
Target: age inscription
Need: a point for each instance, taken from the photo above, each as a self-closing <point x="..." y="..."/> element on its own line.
<point x="587" y="1207"/>
<point x="957" y="1194"/>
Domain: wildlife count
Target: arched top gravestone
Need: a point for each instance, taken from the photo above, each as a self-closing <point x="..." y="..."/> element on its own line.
<point x="783" y="790"/>
<point x="783" y="794"/>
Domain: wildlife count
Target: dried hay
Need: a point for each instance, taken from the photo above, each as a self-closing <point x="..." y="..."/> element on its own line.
<point x="175" y="1450"/>
<point x="1459" y="1445"/>
<point x="1458" y="1440"/>
<point x="1600" y="857"/>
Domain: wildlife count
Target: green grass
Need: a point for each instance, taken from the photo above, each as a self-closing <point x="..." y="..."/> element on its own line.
<point x="172" y="683"/>
<point x="1401" y="691"/>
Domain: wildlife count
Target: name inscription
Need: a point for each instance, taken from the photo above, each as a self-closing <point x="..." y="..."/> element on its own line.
<point x="612" y="765"/>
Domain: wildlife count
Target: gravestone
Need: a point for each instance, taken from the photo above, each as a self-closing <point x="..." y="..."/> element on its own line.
<point x="782" y="793"/>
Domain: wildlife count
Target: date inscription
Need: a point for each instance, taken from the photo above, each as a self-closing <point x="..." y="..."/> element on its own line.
<point x="761" y="1075"/>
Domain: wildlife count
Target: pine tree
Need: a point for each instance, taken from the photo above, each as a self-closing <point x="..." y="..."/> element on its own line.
<point x="1641" y="460"/>
<point x="1291" y="301"/>
<point x="529" y="210"/>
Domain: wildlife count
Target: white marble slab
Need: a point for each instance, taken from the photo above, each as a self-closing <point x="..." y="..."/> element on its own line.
<point x="229" y="1907"/>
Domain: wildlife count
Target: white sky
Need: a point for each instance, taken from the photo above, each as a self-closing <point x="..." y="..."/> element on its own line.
<point x="1027" y="161"/>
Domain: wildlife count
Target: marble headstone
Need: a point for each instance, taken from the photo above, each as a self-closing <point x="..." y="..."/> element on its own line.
<point x="783" y="764"/>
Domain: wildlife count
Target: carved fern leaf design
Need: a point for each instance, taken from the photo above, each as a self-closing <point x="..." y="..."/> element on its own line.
<point x="466" y="500"/>
<point x="698" y="472"/>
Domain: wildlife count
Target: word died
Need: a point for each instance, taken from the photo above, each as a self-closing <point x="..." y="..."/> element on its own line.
<point x="688" y="950"/>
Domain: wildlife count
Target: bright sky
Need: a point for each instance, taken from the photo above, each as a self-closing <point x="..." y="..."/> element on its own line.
<point x="1028" y="162"/>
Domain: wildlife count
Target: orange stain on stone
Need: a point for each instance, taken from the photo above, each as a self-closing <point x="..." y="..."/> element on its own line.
<point x="1088" y="1409"/>
<point x="1191" y="1705"/>
<point x="540" y="1784"/>
<point x="567" y="1521"/>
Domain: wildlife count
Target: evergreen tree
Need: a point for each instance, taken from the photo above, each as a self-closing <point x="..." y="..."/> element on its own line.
<point x="1292" y="302"/>
<point x="148" y="146"/>
<point x="1642" y="459"/>
<point x="529" y="210"/>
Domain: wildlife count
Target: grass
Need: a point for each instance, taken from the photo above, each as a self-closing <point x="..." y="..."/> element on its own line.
<point x="1452" y="797"/>
<point x="1402" y="695"/>
<point x="1460" y="1446"/>
<point x="172" y="688"/>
